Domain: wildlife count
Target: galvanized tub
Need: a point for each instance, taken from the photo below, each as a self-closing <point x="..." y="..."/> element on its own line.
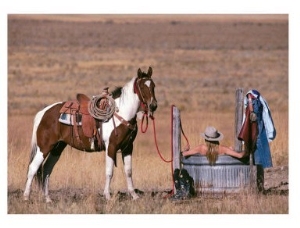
<point x="228" y="175"/>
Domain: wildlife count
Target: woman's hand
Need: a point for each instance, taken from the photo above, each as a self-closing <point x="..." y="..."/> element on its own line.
<point x="187" y="147"/>
<point x="243" y="154"/>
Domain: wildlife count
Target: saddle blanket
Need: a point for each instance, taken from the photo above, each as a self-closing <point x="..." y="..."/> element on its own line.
<point x="66" y="118"/>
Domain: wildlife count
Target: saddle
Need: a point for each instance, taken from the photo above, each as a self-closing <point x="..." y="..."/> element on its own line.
<point x="80" y="116"/>
<point x="249" y="130"/>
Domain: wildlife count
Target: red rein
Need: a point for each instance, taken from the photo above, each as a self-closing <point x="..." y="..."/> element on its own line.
<point x="158" y="151"/>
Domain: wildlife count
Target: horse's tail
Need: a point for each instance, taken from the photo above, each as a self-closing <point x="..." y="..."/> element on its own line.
<point x="34" y="145"/>
<point x="33" y="148"/>
<point x="38" y="175"/>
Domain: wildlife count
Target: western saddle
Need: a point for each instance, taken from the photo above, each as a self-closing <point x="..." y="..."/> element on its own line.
<point x="79" y="111"/>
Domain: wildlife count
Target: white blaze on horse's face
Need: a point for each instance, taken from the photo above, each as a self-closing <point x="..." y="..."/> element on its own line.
<point x="147" y="83"/>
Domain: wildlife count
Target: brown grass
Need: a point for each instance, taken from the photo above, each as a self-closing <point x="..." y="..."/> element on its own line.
<point x="198" y="63"/>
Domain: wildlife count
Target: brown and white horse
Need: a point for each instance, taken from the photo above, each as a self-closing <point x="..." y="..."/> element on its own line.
<point x="50" y="136"/>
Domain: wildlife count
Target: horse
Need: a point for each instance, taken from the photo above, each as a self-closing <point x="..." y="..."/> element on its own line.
<point x="50" y="136"/>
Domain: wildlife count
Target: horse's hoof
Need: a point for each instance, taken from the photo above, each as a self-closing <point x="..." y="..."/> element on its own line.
<point x="48" y="199"/>
<point x="107" y="197"/>
<point x="135" y="197"/>
<point x="25" y="198"/>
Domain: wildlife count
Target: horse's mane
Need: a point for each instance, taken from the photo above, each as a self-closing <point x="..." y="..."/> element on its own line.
<point x="117" y="92"/>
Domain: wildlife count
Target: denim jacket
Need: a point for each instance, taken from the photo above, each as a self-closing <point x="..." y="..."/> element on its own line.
<point x="266" y="129"/>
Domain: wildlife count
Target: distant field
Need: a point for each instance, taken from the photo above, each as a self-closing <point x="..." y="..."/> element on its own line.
<point x="198" y="63"/>
<point x="153" y="18"/>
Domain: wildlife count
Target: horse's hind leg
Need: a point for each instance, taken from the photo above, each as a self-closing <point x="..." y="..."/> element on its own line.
<point x="32" y="169"/>
<point x="52" y="158"/>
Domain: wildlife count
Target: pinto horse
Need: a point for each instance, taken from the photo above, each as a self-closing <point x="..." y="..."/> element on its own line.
<point x="50" y="136"/>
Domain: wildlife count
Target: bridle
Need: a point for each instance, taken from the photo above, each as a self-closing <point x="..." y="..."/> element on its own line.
<point x="138" y="91"/>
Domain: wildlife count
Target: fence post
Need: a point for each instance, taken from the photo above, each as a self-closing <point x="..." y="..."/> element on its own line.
<point x="176" y="137"/>
<point x="239" y="106"/>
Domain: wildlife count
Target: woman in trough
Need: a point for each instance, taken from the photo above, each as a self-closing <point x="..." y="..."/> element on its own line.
<point x="212" y="148"/>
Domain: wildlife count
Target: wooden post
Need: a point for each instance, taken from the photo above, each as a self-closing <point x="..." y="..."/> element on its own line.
<point x="239" y="107"/>
<point x="176" y="139"/>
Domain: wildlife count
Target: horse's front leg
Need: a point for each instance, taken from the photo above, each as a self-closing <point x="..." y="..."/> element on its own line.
<point x="108" y="174"/>
<point x="128" y="173"/>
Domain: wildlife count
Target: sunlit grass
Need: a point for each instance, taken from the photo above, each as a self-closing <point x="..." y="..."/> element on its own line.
<point x="200" y="80"/>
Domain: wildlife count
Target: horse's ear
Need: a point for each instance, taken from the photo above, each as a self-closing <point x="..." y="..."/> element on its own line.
<point x="139" y="73"/>
<point x="149" y="72"/>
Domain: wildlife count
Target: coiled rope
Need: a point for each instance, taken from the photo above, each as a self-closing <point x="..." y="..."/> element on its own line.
<point x="104" y="112"/>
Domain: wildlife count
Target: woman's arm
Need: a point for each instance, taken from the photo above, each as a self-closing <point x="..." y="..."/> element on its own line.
<point x="231" y="152"/>
<point x="196" y="150"/>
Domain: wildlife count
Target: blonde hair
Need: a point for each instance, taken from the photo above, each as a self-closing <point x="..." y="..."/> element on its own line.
<point x="212" y="151"/>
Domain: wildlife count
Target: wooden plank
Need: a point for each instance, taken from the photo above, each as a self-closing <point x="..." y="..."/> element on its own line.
<point x="239" y="106"/>
<point x="176" y="137"/>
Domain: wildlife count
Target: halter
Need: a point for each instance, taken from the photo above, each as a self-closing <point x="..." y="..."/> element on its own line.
<point x="138" y="91"/>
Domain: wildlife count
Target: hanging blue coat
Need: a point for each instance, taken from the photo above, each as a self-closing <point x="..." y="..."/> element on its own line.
<point x="266" y="129"/>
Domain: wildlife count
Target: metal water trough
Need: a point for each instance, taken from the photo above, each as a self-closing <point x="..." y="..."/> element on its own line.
<point x="228" y="175"/>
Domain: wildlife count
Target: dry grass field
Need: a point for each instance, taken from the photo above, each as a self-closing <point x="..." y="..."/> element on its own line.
<point x="198" y="63"/>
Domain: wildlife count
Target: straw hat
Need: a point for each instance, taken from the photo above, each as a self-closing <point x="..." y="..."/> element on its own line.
<point x="212" y="134"/>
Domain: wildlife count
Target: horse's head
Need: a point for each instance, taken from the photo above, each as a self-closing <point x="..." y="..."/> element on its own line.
<point x="144" y="87"/>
